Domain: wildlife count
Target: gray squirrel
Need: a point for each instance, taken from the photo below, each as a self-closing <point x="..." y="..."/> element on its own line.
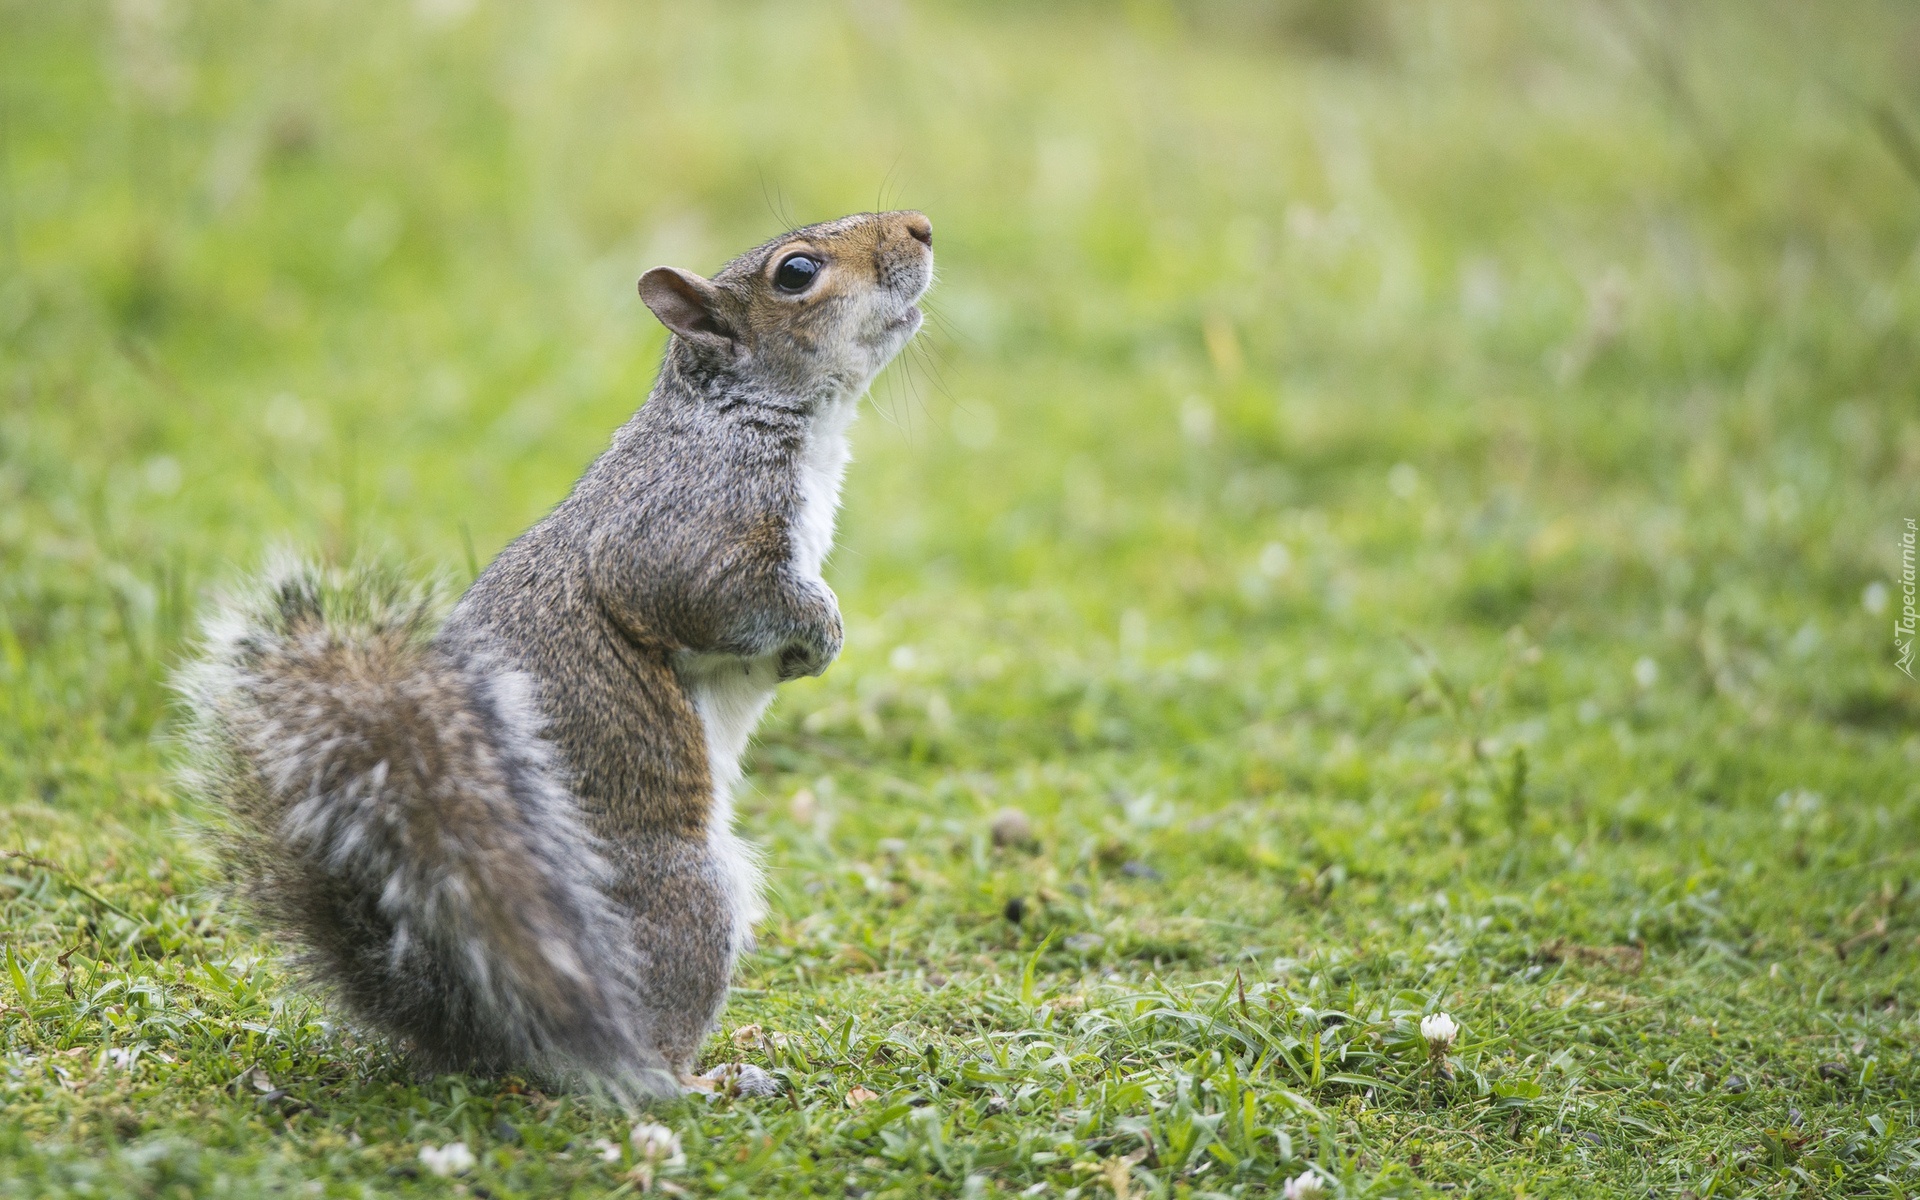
<point x="506" y="840"/>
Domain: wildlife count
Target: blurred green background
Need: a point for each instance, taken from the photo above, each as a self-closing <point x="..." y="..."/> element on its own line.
<point x="1326" y="405"/>
<point x="1628" y="289"/>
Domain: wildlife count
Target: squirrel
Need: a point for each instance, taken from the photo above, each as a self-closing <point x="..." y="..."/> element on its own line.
<point x="505" y="840"/>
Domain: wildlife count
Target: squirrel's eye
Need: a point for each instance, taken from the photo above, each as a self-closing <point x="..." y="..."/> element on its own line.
<point x="795" y="274"/>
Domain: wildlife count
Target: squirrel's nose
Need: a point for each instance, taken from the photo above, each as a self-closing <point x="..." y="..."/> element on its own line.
<point x="920" y="229"/>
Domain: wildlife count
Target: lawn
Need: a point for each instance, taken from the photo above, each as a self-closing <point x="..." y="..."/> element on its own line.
<point x="1406" y="500"/>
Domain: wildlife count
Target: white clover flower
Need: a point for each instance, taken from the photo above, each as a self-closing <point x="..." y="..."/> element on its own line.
<point x="657" y="1144"/>
<point x="1440" y="1030"/>
<point x="451" y="1159"/>
<point x="607" y="1151"/>
<point x="1305" y="1186"/>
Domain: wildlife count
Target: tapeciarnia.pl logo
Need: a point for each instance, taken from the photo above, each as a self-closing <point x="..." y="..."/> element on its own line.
<point x="1903" y="625"/>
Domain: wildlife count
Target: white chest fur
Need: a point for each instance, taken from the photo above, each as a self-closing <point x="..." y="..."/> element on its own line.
<point x="731" y="693"/>
<point x="822" y="466"/>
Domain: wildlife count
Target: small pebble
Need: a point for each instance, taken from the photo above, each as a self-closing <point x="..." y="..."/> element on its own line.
<point x="1736" y="1084"/>
<point x="1139" y="870"/>
<point x="1011" y="827"/>
<point x="1833" y="1071"/>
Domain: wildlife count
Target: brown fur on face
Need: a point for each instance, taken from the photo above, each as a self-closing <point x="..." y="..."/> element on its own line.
<point x="857" y="313"/>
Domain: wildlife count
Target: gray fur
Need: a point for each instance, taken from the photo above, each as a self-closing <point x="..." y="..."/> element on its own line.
<point x="396" y="812"/>
<point x="507" y="842"/>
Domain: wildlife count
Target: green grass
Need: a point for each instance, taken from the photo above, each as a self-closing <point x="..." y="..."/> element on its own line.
<point x="1395" y="492"/>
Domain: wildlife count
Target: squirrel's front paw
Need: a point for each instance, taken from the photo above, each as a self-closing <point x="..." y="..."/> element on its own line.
<point x="798" y="659"/>
<point x="813" y="640"/>
<point x="812" y="653"/>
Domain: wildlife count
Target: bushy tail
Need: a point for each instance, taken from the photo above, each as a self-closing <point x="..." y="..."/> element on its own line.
<point x="394" y="811"/>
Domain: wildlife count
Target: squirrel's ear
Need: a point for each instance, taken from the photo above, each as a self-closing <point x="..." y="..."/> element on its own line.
<point x="688" y="305"/>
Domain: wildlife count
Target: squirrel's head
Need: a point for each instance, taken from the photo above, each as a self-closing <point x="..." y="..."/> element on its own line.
<point x="817" y="311"/>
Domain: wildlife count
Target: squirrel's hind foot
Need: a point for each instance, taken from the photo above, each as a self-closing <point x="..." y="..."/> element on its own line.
<point x="733" y="1079"/>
